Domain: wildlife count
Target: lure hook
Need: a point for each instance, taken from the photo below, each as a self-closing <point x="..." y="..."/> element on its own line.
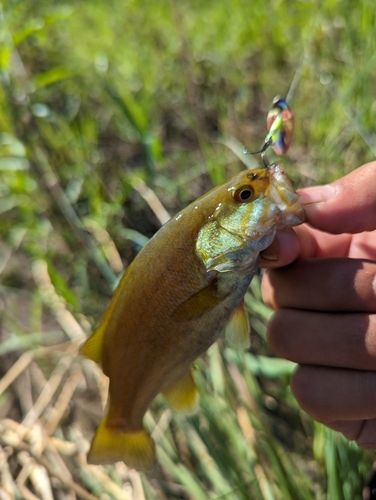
<point x="261" y="152"/>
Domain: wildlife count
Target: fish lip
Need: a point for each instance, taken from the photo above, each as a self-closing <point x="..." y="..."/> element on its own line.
<point x="283" y="194"/>
<point x="277" y="170"/>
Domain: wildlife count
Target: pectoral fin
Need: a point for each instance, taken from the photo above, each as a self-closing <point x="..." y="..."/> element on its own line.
<point x="237" y="330"/>
<point x="199" y="303"/>
<point x="183" y="395"/>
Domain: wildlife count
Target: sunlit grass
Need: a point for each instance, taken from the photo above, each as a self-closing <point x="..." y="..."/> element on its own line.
<point x="99" y="103"/>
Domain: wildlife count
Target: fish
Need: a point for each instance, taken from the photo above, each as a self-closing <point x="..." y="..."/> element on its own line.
<point x="175" y="299"/>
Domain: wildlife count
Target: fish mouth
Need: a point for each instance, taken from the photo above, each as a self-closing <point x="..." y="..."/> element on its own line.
<point x="281" y="192"/>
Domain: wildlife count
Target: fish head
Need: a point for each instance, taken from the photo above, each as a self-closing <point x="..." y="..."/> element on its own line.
<point x="249" y="209"/>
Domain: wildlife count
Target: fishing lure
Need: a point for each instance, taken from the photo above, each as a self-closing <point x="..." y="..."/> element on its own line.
<point x="280" y="125"/>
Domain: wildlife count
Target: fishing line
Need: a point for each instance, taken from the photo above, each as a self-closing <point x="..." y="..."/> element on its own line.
<point x="280" y="122"/>
<point x="326" y="78"/>
<point x="280" y="118"/>
<point x="296" y="79"/>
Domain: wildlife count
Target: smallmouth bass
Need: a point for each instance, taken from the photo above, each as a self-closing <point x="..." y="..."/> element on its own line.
<point x="174" y="300"/>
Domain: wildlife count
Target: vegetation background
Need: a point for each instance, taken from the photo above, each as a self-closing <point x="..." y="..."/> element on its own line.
<point x="114" y="115"/>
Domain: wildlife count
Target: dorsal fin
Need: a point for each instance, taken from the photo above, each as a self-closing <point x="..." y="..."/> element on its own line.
<point x="92" y="348"/>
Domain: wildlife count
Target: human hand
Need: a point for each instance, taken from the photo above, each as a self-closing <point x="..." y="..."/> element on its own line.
<point x="325" y="303"/>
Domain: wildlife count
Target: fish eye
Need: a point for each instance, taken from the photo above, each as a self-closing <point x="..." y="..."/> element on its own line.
<point x="244" y="194"/>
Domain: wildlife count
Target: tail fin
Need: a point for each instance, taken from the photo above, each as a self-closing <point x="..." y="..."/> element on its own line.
<point x="135" y="449"/>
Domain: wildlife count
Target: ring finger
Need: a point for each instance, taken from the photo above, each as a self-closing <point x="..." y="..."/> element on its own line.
<point x="338" y="340"/>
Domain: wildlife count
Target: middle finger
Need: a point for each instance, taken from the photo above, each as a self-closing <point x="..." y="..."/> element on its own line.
<point x="332" y="285"/>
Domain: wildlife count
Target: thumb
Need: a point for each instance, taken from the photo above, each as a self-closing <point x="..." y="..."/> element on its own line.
<point x="347" y="205"/>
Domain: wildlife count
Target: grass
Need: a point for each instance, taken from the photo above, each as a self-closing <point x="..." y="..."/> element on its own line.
<point x="113" y="115"/>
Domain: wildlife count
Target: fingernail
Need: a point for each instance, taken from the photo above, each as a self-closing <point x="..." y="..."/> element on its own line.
<point x="317" y="194"/>
<point x="272" y="252"/>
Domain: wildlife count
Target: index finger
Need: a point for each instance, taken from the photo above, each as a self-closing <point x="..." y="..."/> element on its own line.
<point x="347" y="205"/>
<point x="334" y="213"/>
<point x="304" y="242"/>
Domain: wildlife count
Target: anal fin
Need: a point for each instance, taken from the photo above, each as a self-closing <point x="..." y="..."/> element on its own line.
<point x="238" y="330"/>
<point x="183" y="395"/>
<point x="135" y="449"/>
